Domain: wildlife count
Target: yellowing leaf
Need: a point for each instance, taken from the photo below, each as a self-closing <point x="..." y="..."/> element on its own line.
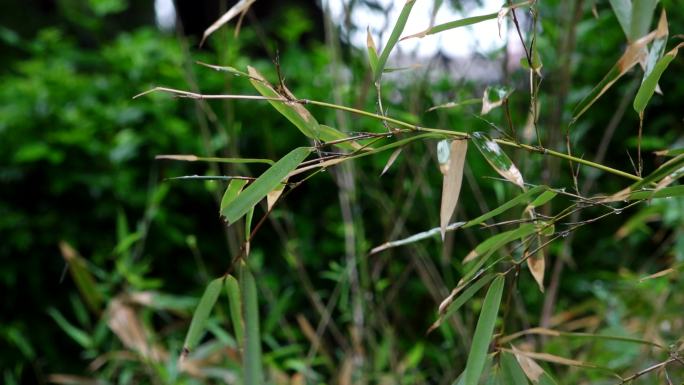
<point x="529" y="366"/>
<point x="451" y="185"/>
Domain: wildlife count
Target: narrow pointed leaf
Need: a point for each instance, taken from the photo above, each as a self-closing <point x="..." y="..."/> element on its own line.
<point x="252" y="360"/>
<point x="451" y="186"/>
<point x="671" y="166"/>
<point x="452" y="25"/>
<point x="454" y="301"/>
<point x="372" y="51"/>
<point x="291" y="109"/>
<point x="530" y="368"/>
<point x="497" y="158"/>
<point x="393" y="157"/>
<point x="635" y="53"/>
<point x="543" y="198"/>
<point x="658" y="47"/>
<point x="483" y="332"/>
<point x="494" y="97"/>
<point x="235" y="304"/>
<point x="523" y="198"/>
<point x="201" y="315"/>
<point x="84" y="280"/>
<point x="520" y="233"/>
<point x="415" y="237"/>
<point x="266" y="183"/>
<point x="394" y="37"/>
<point x="650" y="82"/>
<point x="511" y="370"/>
<point x="232" y="191"/>
<point x="623" y="12"/>
<point x="195" y="158"/>
<point x="329" y="134"/>
<point x="240" y="7"/>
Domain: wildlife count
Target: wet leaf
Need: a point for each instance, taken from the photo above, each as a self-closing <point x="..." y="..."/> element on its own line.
<point x="494" y="97"/>
<point x="451" y="185"/>
<point x="267" y="182"/>
<point x="291" y="109"/>
<point x="394" y="37"/>
<point x="650" y="82"/>
<point x="240" y="7"/>
<point x="497" y="158"/>
<point x="201" y="315"/>
<point x="497" y="241"/>
<point x="483" y="332"/>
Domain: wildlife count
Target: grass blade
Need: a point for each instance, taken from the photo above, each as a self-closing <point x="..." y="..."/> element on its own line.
<point x="200" y="316"/>
<point x="497" y="158"/>
<point x="483" y="332"/>
<point x="294" y="112"/>
<point x="85" y="282"/>
<point x="453" y="302"/>
<point x="394" y="37"/>
<point x="235" y="304"/>
<point x="648" y="86"/>
<point x="452" y="169"/>
<point x="232" y="191"/>
<point x="266" y="183"/>
<point x="452" y="25"/>
<point x="251" y="360"/>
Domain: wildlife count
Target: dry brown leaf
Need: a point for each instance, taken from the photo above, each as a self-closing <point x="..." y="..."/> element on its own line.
<point x="659" y="274"/>
<point x="391" y="160"/>
<point x="272" y="197"/>
<point x="68" y="379"/>
<point x="125" y="323"/>
<point x="552" y="358"/>
<point x="241" y="7"/>
<point x="529" y="366"/>
<point x="451" y="186"/>
<point x="537" y="330"/>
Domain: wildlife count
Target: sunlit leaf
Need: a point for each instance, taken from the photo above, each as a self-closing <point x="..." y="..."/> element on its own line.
<point x="240" y="7"/>
<point x="292" y="110"/>
<point x="394" y="37"/>
<point x="483" y="332"/>
<point x="497" y="158"/>
<point x="266" y="183"/>
<point x="494" y="97"/>
<point x="252" y="360"/>
<point x="453" y="176"/>
<point x="232" y="191"/>
<point x="457" y="299"/>
<point x="651" y="81"/>
<point x="235" y="304"/>
<point x="201" y="315"/>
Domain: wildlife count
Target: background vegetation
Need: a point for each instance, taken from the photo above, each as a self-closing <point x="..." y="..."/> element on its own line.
<point x="105" y="256"/>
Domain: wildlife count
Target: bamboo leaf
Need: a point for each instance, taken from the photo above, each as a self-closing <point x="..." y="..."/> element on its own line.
<point x="642" y="15"/>
<point x="650" y="82"/>
<point x="518" y="200"/>
<point x="201" y="315"/>
<point x="292" y="110"/>
<point x="81" y="337"/>
<point x="553" y="358"/>
<point x="329" y="134"/>
<point x="658" y="47"/>
<point x="195" y="158"/>
<point x="266" y="183"/>
<point x="513" y="374"/>
<point x="84" y="280"/>
<point x="451" y="185"/>
<point x="543" y="198"/>
<point x="452" y="25"/>
<point x="239" y="8"/>
<point x="530" y="368"/>
<point x="497" y="158"/>
<point x="252" y="360"/>
<point x="232" y="191"/>
<point x="372" y="51"/>
<point x="634" y="53"/>
<point x="534" y="253"/>
<point x="623" y="12"/>
<point x="454" y="301"/>
<point x="455" y="104"/>
<point x="483" y="332"/>
<point x="235" y="304"/>
<point x="494" y="97"/>
<point x="393" y="157"/>
<point x="666" y="169"/>
<point x="394" y="37"/>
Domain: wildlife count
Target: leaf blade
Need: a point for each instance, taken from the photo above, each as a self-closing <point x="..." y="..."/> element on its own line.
<point x="451" y="185"/>
<point x="201" y="315"/>
<point x="497" y="158"/>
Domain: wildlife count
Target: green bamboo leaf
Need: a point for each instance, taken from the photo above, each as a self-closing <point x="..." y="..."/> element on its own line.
<point x="372" y="51"/>
<point x="232" y="191"/>
<point x="78" y="335"/>
<point x="201" y="314"/>
<point x="252" y="366"/>
<point x="512" y="373"/>
<point x="666" y="169"/>
<point x="500" y="240"/>
<point x="454" y="301"/>
<point x="267" y="182"/>
<point x="483" y="332"/>
<point x="543" y="198"/>
<point x="523" y="198"/>
<point x="329" y="134"/>
<point x="670" y="152"/>
<point x="667" y="192"/>
<point x="642" y="16"/>
<point x="292" y="110"/>
<point x="394" y="37"/>
<point x="84" y="280"/>
<point x="452" y="25"/>
<point x="497" y="158"/>
<point x="658" y="47"/>
<point x="623" y="12"/>
<point x="650" y="82"/>
<point x="235" y="303"/>
<point x="456" y="104"/>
